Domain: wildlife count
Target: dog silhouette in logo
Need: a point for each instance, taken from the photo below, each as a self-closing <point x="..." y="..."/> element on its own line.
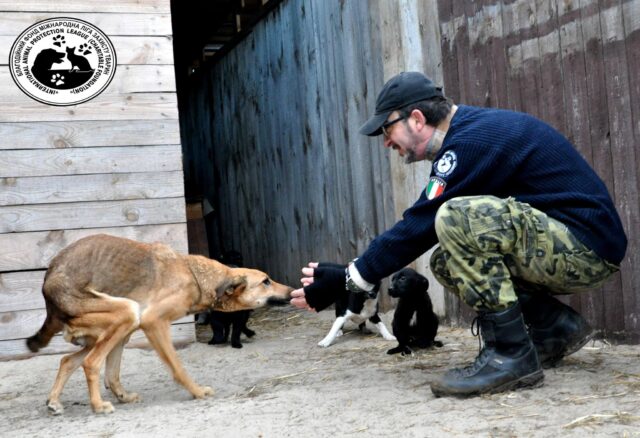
<point x="44" y="61"/>
<point x="78" y="62"/>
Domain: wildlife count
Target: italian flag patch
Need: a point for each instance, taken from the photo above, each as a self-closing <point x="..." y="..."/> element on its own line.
<point x="435" y="187"/>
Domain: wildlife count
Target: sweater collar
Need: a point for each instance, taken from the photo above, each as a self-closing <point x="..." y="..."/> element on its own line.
<point x="435" y="142"/>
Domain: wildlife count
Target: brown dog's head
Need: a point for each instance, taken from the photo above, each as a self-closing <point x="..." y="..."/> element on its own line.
<point x="249" y="289"/>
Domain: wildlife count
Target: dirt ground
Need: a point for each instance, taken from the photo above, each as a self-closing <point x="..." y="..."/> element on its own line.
<point x="281" y="384"/>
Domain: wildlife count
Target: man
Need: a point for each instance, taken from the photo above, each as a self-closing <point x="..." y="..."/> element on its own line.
<point x="519" y="216"/>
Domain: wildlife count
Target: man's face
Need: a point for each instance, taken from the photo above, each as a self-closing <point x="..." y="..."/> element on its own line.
<point x="408" y="136"/>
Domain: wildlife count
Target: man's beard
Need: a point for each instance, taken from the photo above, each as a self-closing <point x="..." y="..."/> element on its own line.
<point x="411" y="156"/>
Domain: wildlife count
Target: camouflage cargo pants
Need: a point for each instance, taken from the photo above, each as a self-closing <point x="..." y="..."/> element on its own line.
<point x="487" y="244"/>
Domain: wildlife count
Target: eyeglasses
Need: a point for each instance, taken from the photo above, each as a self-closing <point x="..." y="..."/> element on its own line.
<point x="386" y="125"/>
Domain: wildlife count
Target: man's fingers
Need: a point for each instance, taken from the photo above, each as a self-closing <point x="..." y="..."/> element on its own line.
<point x="308" y="272"/>
<point x="298" y="293"/>
<point x="306" y="281"/>
<point x="300" y="303"/>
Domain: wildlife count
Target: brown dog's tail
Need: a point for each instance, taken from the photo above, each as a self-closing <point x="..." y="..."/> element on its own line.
<point x="51" y="326"/>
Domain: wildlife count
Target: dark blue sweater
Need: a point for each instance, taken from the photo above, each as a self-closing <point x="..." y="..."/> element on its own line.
<point x="505" y="153"/>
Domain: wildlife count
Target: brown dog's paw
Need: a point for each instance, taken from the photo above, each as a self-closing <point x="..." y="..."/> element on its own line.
<point x="54" y="407"/>
<point x="104" y="407"/>
<point x="129" y="397"/>
<point x="203" y="391"/>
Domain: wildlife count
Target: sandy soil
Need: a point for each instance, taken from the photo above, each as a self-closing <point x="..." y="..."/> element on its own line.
<point x="282" y="385"/>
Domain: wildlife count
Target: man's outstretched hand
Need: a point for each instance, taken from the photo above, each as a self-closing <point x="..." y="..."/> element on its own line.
<point x="321" y="285"/>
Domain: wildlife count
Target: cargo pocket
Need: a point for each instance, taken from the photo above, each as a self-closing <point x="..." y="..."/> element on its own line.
<point x="494" y="232"/>
<point x="585" y="270"/>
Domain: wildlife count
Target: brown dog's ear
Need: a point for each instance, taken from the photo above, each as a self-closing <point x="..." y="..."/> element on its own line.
<point x="231" y="286"/>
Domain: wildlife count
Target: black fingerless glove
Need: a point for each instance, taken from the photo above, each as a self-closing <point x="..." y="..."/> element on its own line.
<point x="329" y="280"/>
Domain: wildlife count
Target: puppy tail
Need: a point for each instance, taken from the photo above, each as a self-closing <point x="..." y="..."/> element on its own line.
<point x="51" y="326"/>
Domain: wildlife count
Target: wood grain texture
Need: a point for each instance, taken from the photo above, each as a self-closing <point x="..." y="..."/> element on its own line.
<point x="79" y="161"/>
<point x="83" y="133"/>
<point x="41" y="217"/>
<point x="119" y="6"/>
<point x="113" y="23"/>
<point x="122" y="107"/>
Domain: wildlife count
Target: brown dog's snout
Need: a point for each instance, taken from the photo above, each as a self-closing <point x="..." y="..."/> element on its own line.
<point x="281" y="300"/>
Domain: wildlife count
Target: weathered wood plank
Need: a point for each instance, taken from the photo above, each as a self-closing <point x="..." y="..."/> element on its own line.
<point x="181" y="334"/>
<point x="91" y="214"/>
<point x="72" y="161"/>
<point x="128" y="79"/>
<point x="119" y="6"/>
<point x="623" y="311"/>
<point x="599" y="138"/>
<point x="551" y="73"/>
<point x="81" y="133"/>
<point x="34" y="250"/>
<point x="21" y="291"/>
<point x="106" y="106"/>
<point x="576" y="109"/>
<point x="112" y="24"/>
<point x="94" y="187"/>
<point x="20" y="324"/>
<point x="129" y="49"/>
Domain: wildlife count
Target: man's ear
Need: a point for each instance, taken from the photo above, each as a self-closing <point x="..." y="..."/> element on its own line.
<point x="420" y="119"/>
<point x="232" y="285"/>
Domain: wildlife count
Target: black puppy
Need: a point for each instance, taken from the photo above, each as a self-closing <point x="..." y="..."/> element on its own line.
<point x="221" y="322"/>
<point x="411" y="289"/>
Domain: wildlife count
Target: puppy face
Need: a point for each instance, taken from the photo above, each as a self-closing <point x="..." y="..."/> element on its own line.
<point x="406" y="282"/>
<point x="250" y="289"/>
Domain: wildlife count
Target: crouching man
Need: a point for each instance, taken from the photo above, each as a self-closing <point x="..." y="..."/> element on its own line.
<point x="519" y="217"/>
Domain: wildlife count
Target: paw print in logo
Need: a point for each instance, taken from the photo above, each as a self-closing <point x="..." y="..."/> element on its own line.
<point x="58" y="40"/>
<point x="85" y="49"/>
<point x="57" y="79"/>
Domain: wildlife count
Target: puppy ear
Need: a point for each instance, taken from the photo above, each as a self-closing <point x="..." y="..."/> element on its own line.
<point x="425" y="283"/>
<point x="233" y="285"/>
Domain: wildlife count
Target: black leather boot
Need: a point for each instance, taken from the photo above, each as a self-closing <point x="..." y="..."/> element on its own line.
<point x="555" y="328"/>
<point x="507" y="361"/>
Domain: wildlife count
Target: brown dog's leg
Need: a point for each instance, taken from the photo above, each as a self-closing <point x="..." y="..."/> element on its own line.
<point x="113" y="320"/>
<point x="68" y="364"/>
<point x="158" y="334"/>
<point x="112" y="375"/>
<point x="96" y="357"/>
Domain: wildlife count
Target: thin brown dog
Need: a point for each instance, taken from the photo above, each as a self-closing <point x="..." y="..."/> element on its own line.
<point x="102" y="288"/>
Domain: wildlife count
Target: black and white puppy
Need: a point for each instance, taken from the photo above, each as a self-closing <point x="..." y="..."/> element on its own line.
<point x="357" y="308"/>
<point x="221" y="322"/>
<point x="414" y="323"/>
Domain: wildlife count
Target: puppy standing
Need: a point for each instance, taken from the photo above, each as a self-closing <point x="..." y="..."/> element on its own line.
<point x="225" y="323"/>
<point x="411" y="289"/>
<point x="358" y="308"/>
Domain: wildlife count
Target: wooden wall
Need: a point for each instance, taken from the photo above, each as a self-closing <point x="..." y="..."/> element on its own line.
<point x="110" y="165"/>
<point x="575" y="65"/>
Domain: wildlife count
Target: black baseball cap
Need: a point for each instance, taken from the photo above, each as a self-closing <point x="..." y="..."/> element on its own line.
<point x="402" y="89"/>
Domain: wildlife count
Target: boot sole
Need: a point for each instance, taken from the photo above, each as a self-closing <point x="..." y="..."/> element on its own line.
<point x="530" y="381"/>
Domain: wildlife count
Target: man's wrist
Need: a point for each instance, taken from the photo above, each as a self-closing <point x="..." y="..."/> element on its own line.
<point x="355" y="282"/>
